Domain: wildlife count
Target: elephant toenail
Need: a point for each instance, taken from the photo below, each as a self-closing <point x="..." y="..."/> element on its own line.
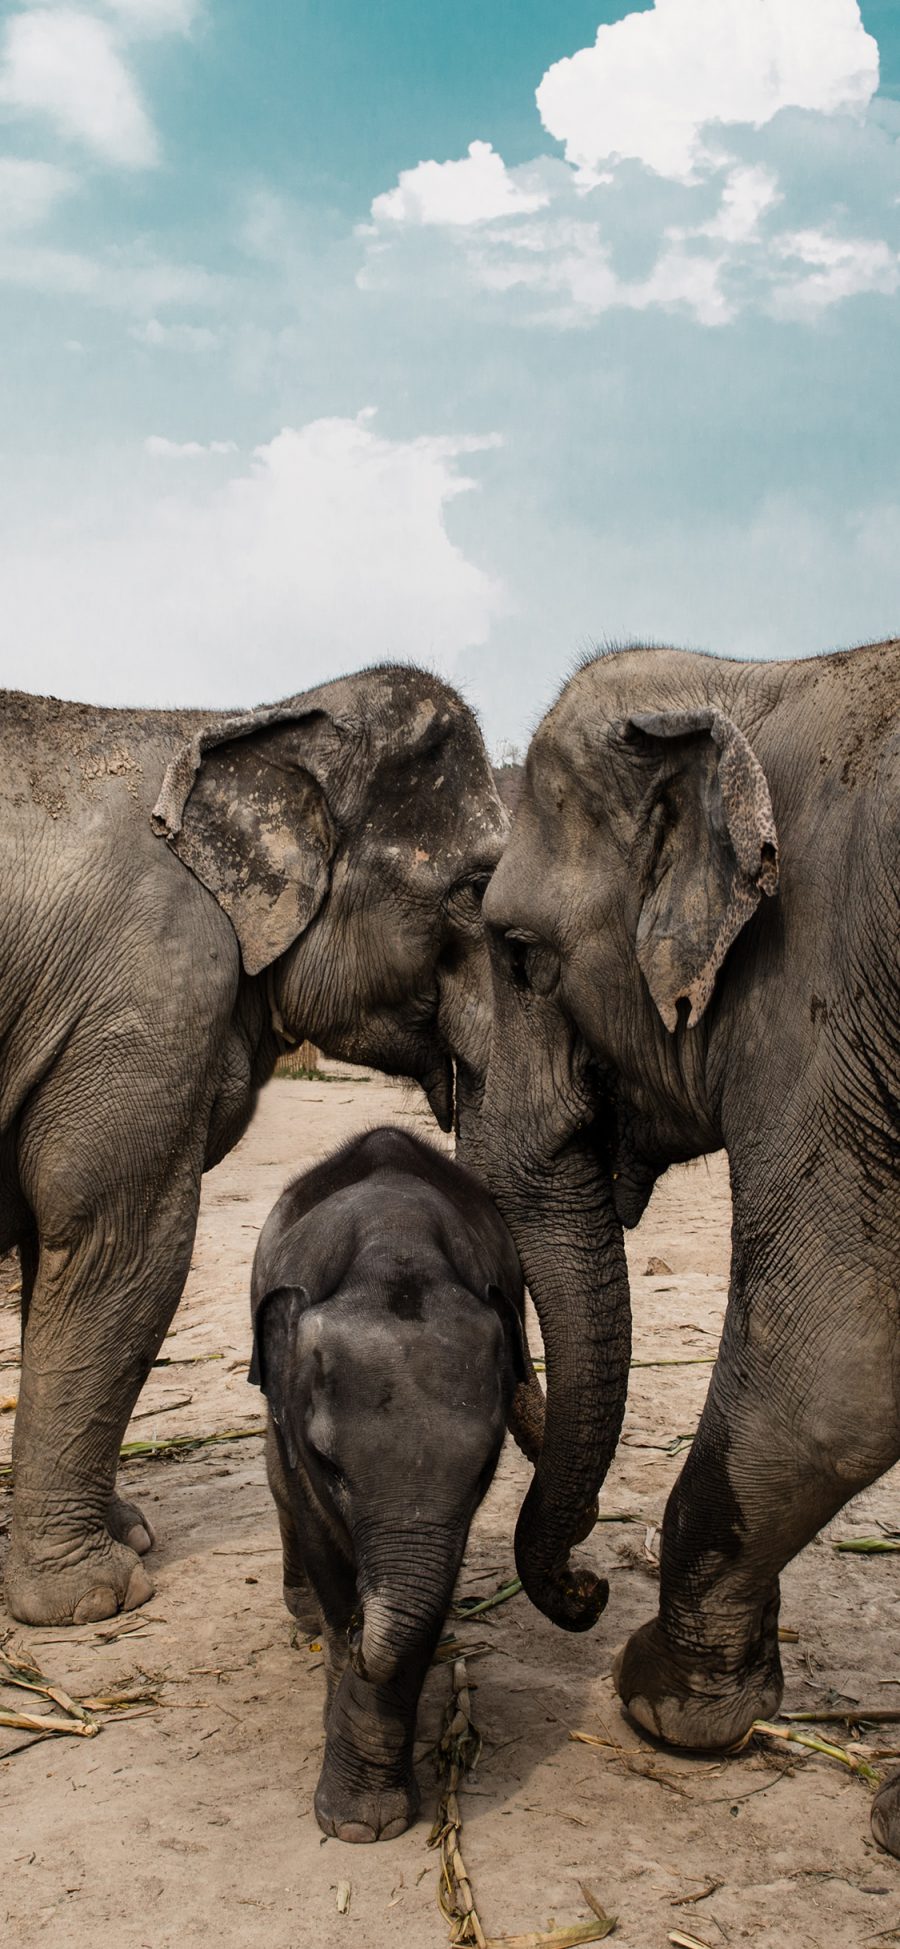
<point x="139" y="1589"/>
<point x="139" y="1539"/>
<point x="95" y="1605"/>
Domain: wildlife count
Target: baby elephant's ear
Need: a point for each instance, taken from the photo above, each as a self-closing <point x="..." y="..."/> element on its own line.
<point x="513" y="1330"/>
<point x="274" y="1330"/>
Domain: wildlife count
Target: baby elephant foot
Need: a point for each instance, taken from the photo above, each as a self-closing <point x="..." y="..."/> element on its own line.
<point x="696" y="1699"/>
<point x="886" y="1815"/>
<point x="369" y="1813"/>
<point x="104" y="1577"/>
<point x="302" y="1605"/>
<point x="128" y="1524"/>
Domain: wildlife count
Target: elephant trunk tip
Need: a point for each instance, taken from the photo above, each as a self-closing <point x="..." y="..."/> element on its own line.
<point x="374" y="1655"/>
<point x="570" y="1598"/>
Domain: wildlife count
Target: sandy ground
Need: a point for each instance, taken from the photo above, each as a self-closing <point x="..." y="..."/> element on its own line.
<point x="192" y="1822"/>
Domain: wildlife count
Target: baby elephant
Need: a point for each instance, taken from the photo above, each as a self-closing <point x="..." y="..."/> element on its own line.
<point x="387" y="1305"/>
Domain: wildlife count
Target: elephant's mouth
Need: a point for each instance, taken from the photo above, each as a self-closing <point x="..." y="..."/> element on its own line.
<point x="631" y="1175"/>
<point x="439" y="1084"/>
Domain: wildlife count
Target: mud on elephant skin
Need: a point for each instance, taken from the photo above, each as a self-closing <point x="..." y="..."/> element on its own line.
<point x="388" y="1303"/>
<point x="694" y="932"/>
<point x="181" y="894"/>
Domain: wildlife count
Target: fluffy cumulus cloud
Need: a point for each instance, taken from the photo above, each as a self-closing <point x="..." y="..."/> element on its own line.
<point x="665" y="121"/>
<point x="654" y="83"/>
<point x="64" y="64"/>
<point x="70" y="66"/>
<point x="474" y="190"/>
<point x="329" y="548"/>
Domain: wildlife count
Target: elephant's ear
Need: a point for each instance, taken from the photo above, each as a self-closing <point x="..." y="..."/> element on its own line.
<point x="245" y="805"/>
<point x="715" y="852"/>
<point x="513" y="1328"/>
<point x="275" y="1324"/>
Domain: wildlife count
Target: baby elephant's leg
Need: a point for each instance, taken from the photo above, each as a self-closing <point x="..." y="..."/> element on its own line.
<point x="367" y="1790"/>
<point x="299" y="1595"/>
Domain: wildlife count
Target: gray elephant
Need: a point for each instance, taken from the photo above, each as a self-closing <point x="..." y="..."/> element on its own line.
<point x="388" y="1339"/>
<point x="182" y="894"/>
<point x="695" y="931"/>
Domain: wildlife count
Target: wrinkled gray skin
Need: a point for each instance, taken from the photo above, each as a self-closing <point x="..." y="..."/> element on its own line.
<point x="179" y="893"/>
<point x="387" y="1300"/>
<point x="695" y="939"/>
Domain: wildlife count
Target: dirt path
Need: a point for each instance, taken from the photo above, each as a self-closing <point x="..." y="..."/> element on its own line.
<point x="192" y="1823"/>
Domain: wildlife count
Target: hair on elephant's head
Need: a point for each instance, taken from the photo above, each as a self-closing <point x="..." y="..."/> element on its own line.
<point x="349" y="834"/>
<point x="643" y="843"/>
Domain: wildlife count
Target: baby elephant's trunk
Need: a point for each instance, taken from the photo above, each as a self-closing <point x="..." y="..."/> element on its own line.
<point x="405" y="1579"/>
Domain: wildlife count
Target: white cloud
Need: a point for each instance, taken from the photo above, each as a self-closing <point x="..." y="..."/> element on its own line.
<point x="65" y="64"/>
<point x="475" y="189"/>
<point x="177" y="337"/>
<point x="130" y="280"/>
<point x="567" y="265"/>
<point x="160" y="448"/>
<point x="29" y="191"/>
<point x="653" y="82"/>
<point x="658" y="101"/>
<point x="823" y="268"/>
<point x="328" y="549"/>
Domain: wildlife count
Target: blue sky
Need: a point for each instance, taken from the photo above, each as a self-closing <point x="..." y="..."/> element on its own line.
<point x="468" y="334"/>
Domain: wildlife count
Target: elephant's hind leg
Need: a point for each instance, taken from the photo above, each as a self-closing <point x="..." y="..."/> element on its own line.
<point x="101" y="1304"/>
<point x="299" y="1596"/>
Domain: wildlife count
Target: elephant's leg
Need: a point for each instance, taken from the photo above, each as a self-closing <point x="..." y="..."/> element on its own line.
<point x="299" y="1595"/>
<point x="367" y="1789"/>
<point x="798" y="1419"/>
<point x="103" y="1299"/>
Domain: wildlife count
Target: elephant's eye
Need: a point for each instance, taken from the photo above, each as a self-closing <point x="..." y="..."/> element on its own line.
<point x="463" y="902"/>
<point x="534" y="965"/>
<point x="329" y="1469"/>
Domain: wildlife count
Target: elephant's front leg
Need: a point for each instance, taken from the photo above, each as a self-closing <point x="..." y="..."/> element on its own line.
<point x="801" y="1415"/>
<point x="101" y="1304"/>
<point x="367" y="1789"/>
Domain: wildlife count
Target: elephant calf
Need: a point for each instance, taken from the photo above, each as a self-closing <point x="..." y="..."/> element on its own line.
<point x="387" y="1303"/>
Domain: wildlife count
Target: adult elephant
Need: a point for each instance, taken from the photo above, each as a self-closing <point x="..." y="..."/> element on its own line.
<point x="181" y="894"/>
<point x="695" y="930"/>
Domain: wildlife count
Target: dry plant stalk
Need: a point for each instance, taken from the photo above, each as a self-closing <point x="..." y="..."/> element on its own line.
<point x="566" y="1938"/>
<point x="814" y="1744"/>
<point x="458" y="1750"/>
<point x="44" y="1722"/>
<point x="683" y="1941"/>
<point x="28" y="1677"/>
<point x="640" y="1763"/>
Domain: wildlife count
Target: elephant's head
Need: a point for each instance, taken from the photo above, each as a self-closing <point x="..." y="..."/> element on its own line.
<point x="394" y="1458"/>
<point x="642" y="844"/>
<point x="349" y="834"/>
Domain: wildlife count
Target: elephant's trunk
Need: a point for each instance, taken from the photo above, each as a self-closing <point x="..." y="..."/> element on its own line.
<point x="561" y="1216"/>
<point x="405" y="1578"/>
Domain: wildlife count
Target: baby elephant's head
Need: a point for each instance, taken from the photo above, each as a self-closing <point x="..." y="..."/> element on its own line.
<point x="391" y="1399"/>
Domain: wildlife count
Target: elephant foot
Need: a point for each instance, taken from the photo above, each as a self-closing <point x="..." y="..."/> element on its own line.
<point x="369" y="1813"/>
<point x="886" y="1815"/>
<point x="128" y="1524"/>
<point x="302" y="1605"/>
<point x="691" y="1700"/>
<point x="105" y="1577"/>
